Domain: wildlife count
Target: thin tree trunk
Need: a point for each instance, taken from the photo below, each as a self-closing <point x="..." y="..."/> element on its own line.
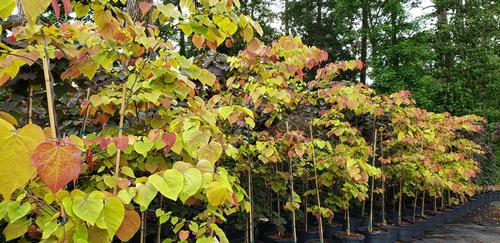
<point x="320" y="218"/>
<point x="364" y="38"/>
<point x="290" y="168"/>
<point x="370" y="221"/>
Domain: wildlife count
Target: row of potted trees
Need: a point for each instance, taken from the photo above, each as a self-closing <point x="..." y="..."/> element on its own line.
<point x="266" y="144"/>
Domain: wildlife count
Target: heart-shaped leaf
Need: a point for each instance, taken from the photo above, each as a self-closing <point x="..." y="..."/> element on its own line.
<point x="57" y="163"/>
<point x="16" y="149"/>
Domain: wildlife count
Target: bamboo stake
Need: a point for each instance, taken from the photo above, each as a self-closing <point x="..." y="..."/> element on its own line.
<point x="158" y="226"/>
<point x="423" y="204"/>
<point x="415" y="205"/>
<point x="400" y="201"/>
<point x="120" y="133"/>
<point x="370" y="221"/>
<point x="306" y="185"/>
<point x="50" y="98"/>
<point x="320" y="218"/>
<point x="294" y="229"/>
<point x="30" y="105"/>
<point x="86" y="115"/>
<point x="250" y="195"/>
<point x="143" y="227"/>
<point x="384" y="222"/>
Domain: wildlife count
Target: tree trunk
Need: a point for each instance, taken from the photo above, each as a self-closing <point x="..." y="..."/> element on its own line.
<point x="364" y="38"/>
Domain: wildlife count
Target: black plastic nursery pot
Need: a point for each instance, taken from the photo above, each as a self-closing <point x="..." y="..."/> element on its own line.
<point x="309" y="235"/>
<point x="331" y="229"/>
<point x="343" y="237"/>
<point x="379" y="236"/>
<point x="405" y="232"/>
<point x="375" y="236"/>
<point x="287" y="238"/>
<point x="419" y="228"/>
<point x="265" y="229"/>
<point x="393" y="231"/>
<point x="355" y="223"/>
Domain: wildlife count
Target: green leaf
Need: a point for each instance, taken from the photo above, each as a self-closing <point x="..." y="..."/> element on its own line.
<point x="127" y="171"/>
<point x="3" y="208"/>
<point x="143" y="147"/>
<point x="169" y="10"/>
<point x="49" y="228"/>
<point x="89" y="207"/>
<point x="111" y="216"/>
<point x="192" y="183"/>
<point x="170" y="184"/>
<point x="225" y="111"/>
<point x="16" y="229"/>
<point x="16" y="211"/>
<point x="81" y="234"/>
<point x="145" y="194"/>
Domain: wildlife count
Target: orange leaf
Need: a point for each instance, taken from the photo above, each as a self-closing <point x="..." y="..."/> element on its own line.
<point x="130" y="224"/>
<point x="198" y="41"/>
<point x="183" y="235"/>
<point x="57" y="163"/>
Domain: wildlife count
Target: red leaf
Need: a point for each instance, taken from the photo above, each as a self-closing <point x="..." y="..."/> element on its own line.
<point x="103" y="143"/>
<point x="235" y="201"/>
<point x="130" y="224"/>
<point x="57" y="163"/>
<point x="359" y="64"/>
<point x="169" y="139"/>
<point x="144" y="7"/>
<point x="59" y="53"/>
<point x="229" y="43"/>
<point x="67" y="6"/>
<point x="90" y="160"/>
<point x="121" y="143"/>
<point x="57" y="10"/>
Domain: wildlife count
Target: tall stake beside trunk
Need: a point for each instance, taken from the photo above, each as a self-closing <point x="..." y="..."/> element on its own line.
<point x="294" y="226"/>
<point x="49" y="90"/>
<point x="382" y="176"/>
<point x="400" y="201"/>
<point x="120" y="133"/>
<point x="250" y="198"/>
<point x="320" y="218"/>
<point x="370" y="222"/>
<point x="422" y="210"/>
<point x="415" y="205"/>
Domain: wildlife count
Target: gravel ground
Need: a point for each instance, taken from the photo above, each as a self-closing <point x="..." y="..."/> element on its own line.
<point x="482" y="225"/>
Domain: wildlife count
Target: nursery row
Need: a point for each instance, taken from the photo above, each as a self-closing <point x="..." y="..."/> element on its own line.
<point x="167" y="148"/>
<point x="412" y="227"/>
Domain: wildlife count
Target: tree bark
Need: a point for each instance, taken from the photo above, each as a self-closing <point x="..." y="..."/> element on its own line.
<point x="364" y="38"/>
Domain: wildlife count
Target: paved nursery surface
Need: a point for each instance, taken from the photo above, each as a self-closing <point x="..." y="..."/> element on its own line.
<point x="482" y="225"/>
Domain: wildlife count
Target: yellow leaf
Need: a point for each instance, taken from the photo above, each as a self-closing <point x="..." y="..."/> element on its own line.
<point x="33" y="8"/>
<point x="16" y="148"/>
<point x="6" y="8"/>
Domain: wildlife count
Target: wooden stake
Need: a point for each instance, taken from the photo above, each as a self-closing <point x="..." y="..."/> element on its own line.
<point x="384" y="222"/>
<point x="86" y="115"/>
<point x="143" y="227"/>
<point x="370" y="222"/>
<point x="250" y="195"/>
<point x="320" y="218"/>
<point x="294" y="226"/>
<point x="120" y="133"/>
<point x="30" y="105"/>
<point x="50" y="98"/>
